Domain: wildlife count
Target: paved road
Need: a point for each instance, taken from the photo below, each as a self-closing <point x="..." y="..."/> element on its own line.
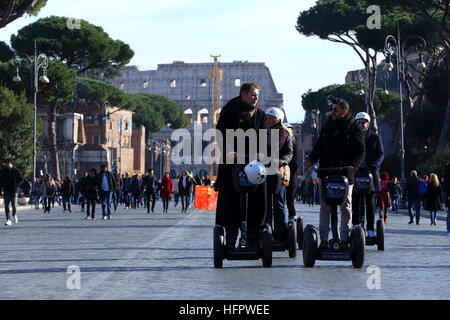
<point x="140" y="256"/>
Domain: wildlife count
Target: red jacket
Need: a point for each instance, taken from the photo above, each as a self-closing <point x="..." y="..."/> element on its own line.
<point x="166" y="188"/>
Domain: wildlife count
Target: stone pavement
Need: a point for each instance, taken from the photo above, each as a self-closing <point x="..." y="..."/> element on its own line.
<point x="154" y="256"/>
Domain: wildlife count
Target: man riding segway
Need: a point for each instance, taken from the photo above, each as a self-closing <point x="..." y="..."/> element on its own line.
<point x="340" y="145"/>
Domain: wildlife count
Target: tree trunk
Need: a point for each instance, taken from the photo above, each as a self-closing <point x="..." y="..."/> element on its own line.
<point x="54" y="163"/>
<point x="445" y="132"/>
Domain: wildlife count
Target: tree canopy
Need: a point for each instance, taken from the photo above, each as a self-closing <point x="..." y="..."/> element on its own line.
<point x="16" y="134"/>
<point x="87" y="49"/>
<point x="11" y="10"/>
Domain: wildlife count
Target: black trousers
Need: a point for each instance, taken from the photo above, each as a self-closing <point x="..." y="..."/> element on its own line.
<point x="150" y="196"/>
<point x="363" y="205"/>
<point x="165" y="203"/>
<point x="290" y="201"/>
<point x="228" y="213"/>
<point x="90" y="207"/>
<point x="184" y="201"/>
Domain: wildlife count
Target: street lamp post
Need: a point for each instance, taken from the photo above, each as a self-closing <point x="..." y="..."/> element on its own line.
<point x="393" y="47"/>
<point x="34" y="64"/>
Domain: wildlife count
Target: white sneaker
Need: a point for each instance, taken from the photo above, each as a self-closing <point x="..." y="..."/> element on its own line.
<point x="87" y="218"/>
<point x="371" y="234"/>
<point x="16" y="220"/>
<point x="8" y="223"/>
<point x="105" y="217"/>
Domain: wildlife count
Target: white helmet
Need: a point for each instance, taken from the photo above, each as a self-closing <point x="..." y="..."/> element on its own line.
<point x="362" y="115"/>
<point x="256" y="172"/>
<point x="276" y="113"/>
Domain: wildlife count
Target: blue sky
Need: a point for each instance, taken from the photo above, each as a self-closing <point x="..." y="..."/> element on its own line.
<point x="192" y="30"/>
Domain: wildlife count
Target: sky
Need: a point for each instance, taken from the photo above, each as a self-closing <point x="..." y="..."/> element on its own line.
<point x="191" y="30"/>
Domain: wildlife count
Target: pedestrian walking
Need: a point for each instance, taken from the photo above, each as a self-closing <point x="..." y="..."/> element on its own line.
<point x="118" y="193"/>
<point x="310" y="190"/>
<point x="48" y="192"/>
<point x="107" y="185"/>
<point x="36" y="193"/>
<point x="433" y="198"/>
<point x="90" y="190"/>
<point x="10" y="180"/>
<point x="126" y="190"/>
<point x="395" y="191"/>
<point x="412" y="195"/>
<point x="149" y="188"/>
<point x="67" y="192"/>
<point x="184" y="188"/>
<point x="135" y="191"/>
<point x="166" y="191"/>
<point x="176" y="194"/>
<point x="383" y="197"/>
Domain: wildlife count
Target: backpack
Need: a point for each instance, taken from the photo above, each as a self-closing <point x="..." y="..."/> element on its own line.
<point x="50" y="190"/>
<point x="422" y="188"/>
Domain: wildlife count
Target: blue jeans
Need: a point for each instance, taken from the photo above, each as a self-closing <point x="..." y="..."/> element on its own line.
<point x="416" y="204"/>
<point x="395" y="200"/>
<point x="280" y="214"/>
<point x="106" y="200"/>
<point x="433" y="216"/>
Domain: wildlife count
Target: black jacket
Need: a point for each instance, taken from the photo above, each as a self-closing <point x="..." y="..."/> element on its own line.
<point x="89" y="187"/>
<point x="10" y="180"/>
<point x="340" y="144"/>
<point x="148" y="184"/>
<point x="67" y="189"/>
<point x="231" y="118"/>
<point x="185" y="191"/>
<point x="374" y="157"/>
<point x="433" y="198"/>
<point x="412" y="189"/>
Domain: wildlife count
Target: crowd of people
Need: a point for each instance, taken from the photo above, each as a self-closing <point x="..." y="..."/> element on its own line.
<point x="345" y="141"/>
<point x="101" y="187"/>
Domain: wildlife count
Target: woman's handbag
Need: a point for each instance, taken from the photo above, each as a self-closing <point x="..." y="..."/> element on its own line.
<point x="285" y="172"/>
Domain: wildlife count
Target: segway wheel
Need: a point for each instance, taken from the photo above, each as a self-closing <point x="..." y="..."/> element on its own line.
<point x="358" y="240"/>
<point x="380" y="234"/>
<point x="218" y="247"/>
<point x="292" y="239"/>
<point x="309" y="246"/>
<point x="300" y="233"/>
<point x="266" y="243"/>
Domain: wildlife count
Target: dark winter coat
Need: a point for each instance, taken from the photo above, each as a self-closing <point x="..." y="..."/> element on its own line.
<point x="67" y="189"/>
<point x="374" y="157"/>
<point x="184" y="191"/>
<point x="232" y="116"/>
<point x="148" y="184"/>
<point x="412" y="189"/>
<point x="89" y="187"/>
<point x="433" y="198"/>
<point x="10" y="180"/>
<point x="340" y="144"/>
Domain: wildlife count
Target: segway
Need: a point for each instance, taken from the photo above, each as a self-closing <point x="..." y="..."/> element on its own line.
<point x="364" y="185"/>
<point x="244" y="251"/>
<point x="335" y="191"/>
<point x="293" y="226"/>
